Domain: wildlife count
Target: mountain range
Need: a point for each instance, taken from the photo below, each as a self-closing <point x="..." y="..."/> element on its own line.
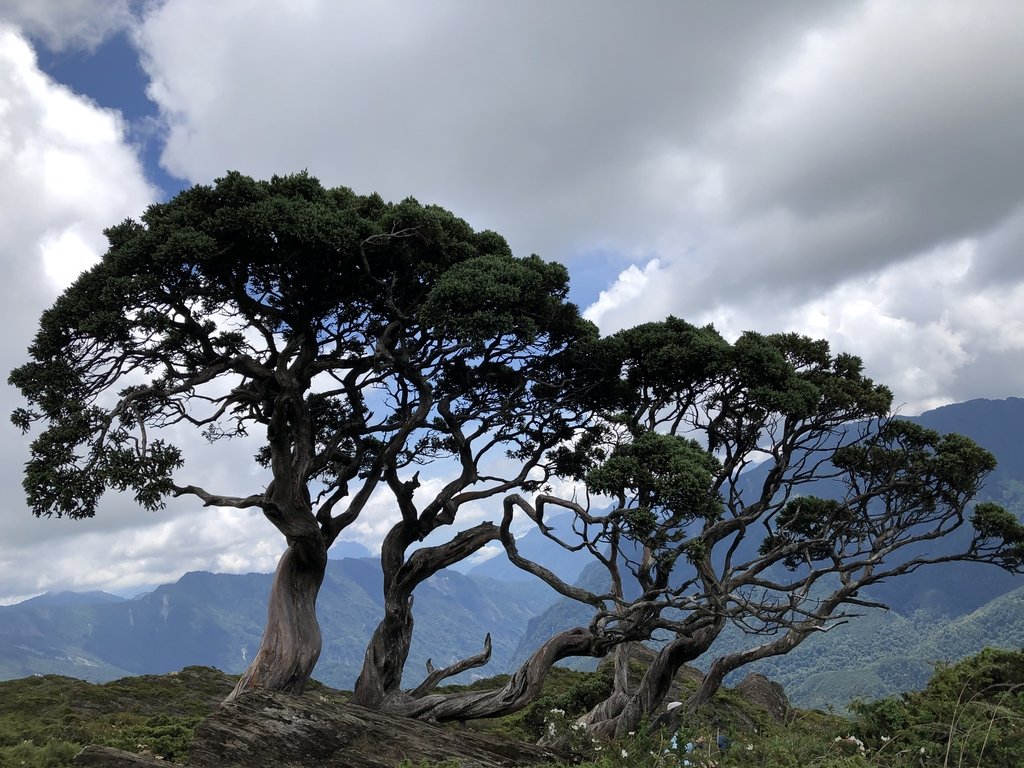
<point x="217" y="619"/>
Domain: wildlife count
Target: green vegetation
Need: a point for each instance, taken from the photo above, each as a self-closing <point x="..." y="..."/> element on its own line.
<point x="970" y="714"/>
<point x="45" y="721"/>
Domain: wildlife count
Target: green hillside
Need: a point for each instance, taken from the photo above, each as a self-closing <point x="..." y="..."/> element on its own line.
<point x="969" y="714"/>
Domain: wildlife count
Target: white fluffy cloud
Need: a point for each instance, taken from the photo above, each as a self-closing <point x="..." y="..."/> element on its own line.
<point x="68" y="173"/>
<point x="754" y="167"/>
<point x="538" y="119"/>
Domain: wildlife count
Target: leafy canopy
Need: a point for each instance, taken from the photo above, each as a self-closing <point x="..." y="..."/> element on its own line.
<point x="362" y="336"/>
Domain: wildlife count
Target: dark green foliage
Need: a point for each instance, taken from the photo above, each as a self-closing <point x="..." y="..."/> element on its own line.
<point x="993" y="522"/>
<point x="670" y="478"/>
<point x="266" y="286"/>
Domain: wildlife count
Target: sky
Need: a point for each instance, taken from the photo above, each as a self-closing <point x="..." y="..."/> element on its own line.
<point x="848" y="169"/>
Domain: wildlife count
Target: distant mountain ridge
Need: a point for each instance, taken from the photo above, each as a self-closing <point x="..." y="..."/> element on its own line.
<point x="217" y="620"/>
<point x="66" y="598"/>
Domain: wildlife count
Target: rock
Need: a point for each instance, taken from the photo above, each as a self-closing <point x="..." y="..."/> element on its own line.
<point x="765" y="694"/>
<point x="262" y="729"/>
<point x="108" y="757"/>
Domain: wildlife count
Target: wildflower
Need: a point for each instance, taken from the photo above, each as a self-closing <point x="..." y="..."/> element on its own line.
<point x="631" y="733"/>
<point x="750" y="747"/>
<point x="625" y="753"/>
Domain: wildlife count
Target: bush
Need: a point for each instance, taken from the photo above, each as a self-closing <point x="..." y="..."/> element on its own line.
<point x="970" y="713"/>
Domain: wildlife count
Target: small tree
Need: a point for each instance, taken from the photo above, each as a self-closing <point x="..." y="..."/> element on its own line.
<point x="361" y="338"/>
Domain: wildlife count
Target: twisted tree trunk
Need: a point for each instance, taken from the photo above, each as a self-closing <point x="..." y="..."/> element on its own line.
<point x="629" y="711"/>
<point x="386" y="653"/>
<point x="522" y="688"/>
<point x="291" y="641"/>
<point x="380" y="679"/>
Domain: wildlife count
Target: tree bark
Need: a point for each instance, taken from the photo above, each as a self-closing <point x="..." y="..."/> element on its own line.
<point x="653" y="686"/>
<point x="521" y="689"/>
<point x="380" y="678"/>
<point x="723" y="665"/>
<point x="386" y="654"/>
<point x="291" y="641"/>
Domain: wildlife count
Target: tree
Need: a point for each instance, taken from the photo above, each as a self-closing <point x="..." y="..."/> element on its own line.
<point x="760" y="484"/>
<point x="712" y="471"/>
<point x="362" y="338"/>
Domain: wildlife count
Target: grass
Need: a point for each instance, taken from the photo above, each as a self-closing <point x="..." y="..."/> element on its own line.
<point x="46" y="720"/>
<point x="971" y="714"/>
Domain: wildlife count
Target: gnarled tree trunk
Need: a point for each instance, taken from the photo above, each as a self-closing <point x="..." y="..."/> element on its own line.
<point x="291" y="641"/>
<point x="629" y="711"/>
<point x="522" y="688"/>
<point x="380" y="679"/>
<point x="386" y="654"/>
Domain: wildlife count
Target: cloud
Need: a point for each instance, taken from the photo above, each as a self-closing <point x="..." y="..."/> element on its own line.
<point x="864" y="187"/>
<point x="226" y="541"/>
<point x="536" y="119"/>
<point x="845" y="169"/>
<point x="729" y="164"/>
<point x="68" y="24"/>
<point x="630" y="284"/>
<point x="68" y="173"/>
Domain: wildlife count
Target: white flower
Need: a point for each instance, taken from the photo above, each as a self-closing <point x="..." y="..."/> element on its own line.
<point x="625" y="753"/>
<point x="631" y="733"/>
<point x="750" y="747"/>
<point x="559" y="712"/>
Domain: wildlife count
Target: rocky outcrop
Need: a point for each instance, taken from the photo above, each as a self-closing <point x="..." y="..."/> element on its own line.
<point x="260" y="729"/>
<point x="765" y="694"/>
